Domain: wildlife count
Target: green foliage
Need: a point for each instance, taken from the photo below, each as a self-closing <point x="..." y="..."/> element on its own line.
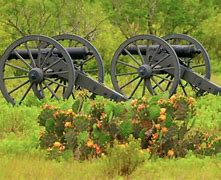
<point x="82" y="137"/>
<point x="126" y="128"/>
<point x="164" y="127"/>
<point x="154" y="112"/>
<point x="123" y="159"/>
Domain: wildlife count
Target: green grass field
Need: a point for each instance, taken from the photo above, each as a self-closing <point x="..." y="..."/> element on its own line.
<point x="36" y="167"/>
<point x="21" y="157"/>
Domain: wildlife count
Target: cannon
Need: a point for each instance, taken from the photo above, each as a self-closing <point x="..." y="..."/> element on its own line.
<point x="142" y="65"/>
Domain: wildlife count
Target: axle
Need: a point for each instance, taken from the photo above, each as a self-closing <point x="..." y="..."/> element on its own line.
<point x="181" y="50"/>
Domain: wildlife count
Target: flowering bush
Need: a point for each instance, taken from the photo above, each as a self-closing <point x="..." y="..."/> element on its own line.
<point x="164" y="127"/>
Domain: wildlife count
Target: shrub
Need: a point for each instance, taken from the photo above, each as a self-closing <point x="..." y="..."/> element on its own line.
<point x="164" y="127"/>
<point x="123" y="159"/>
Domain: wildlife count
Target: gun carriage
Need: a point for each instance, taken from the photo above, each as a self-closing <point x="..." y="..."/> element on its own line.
<point x="142" y="65"/>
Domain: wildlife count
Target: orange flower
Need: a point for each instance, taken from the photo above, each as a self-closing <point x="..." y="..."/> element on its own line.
<point x="175" y="106"/>
<point x="160" y="101"/>
<point x="191" y="101"/>
<point x="157" y="126"/>
<point x="69" y="112"/>
<point x="172" y="99"/>
<point x="162" y="117"/>
<point x="135" y="121"/>
<point x="140" y="107"/>
<point x="55" y="114"/>
<point x="68" y="125"/>
<point x="57" y="144"/>
<point x="170" y="153"/>
<point x="46" y="106"/>
<point x="164" y="130"/>
<point x="155" y="136"/>
<point x="209" y="145"/>
<point x="99" y="124"/>
<point x="90" y="143"/>
<point x="206" y="136"/>
<point x="134" y="102"/>
<point x="98" y="150"/>
<point x="163" y="111"/>
<point x="95" y="146"/>
<point x="103" y="115"/>
<point x="62" y="148"/>
<point x="62" y="112"/>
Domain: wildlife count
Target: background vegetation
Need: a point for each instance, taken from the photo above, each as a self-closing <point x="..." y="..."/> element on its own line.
<point x="106" y="23"/>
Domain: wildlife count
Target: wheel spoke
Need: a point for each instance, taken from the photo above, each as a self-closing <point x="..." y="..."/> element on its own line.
<point x="39" y="54"/>
<point x="15" y="77"/>
<point x="136" y="87"/>
<point x="55" y="73"/>
<point x="49" y="88"/>
<point x="144" y="88"/>
<point x="155" y="53"/>
<point x="163" y="81"/>
<point x="56" y="89"/>
<point x="163" y="69"/>
<point x="158" y="85"/>
<point x="22" y="59"/>
<point x="161" y="60"/>
<point x="126" y="64"/>
<point x="18" y="87"/>
<point x="147" y="54"/>
<point x="56" y="82"/>
<point x="132" y="57"/>
<point x="183" y="88"/>
<point x="138" y="50"/>
<point x="54" y="63"/>
<point x="48" y="55"/>
<point x="129" y="82"/>
<point x="161" y="77"/>
<point x="30" y="55"/>
<point x="64" y="87"/>
<point x="42" y="90"/>
<point x="85" y="61"/>
<point x="199" y="65"/>
<point x="126" y="74"/>
<point x="50" y="83"/>
<point x="149" y="87"/>
<point x="17" y="67"/>
<point x="90" y="70"/>
<point x="168" y="85"/>
<point x="26" y="93"/>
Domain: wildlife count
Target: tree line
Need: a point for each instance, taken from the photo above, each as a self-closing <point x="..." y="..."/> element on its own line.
<point x="106" y="23"/>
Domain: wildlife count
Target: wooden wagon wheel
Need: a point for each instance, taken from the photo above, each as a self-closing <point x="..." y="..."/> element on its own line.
<point x="92" y="64"/>
<point x="25" y="65"/>
<point x="136" y="72"/>
<point x="199" y="63"/>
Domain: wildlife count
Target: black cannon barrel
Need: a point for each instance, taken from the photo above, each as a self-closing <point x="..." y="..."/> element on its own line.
<point x="75" y="53"/>
<point x="181" y="50"/>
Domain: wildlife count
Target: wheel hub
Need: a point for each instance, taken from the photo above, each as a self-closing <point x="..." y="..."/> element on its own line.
<point x="36" y="75"/>
<point x="145" y="71"/>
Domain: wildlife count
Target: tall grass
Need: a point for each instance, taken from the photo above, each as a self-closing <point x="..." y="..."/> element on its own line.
<point x="36" y="167"/>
